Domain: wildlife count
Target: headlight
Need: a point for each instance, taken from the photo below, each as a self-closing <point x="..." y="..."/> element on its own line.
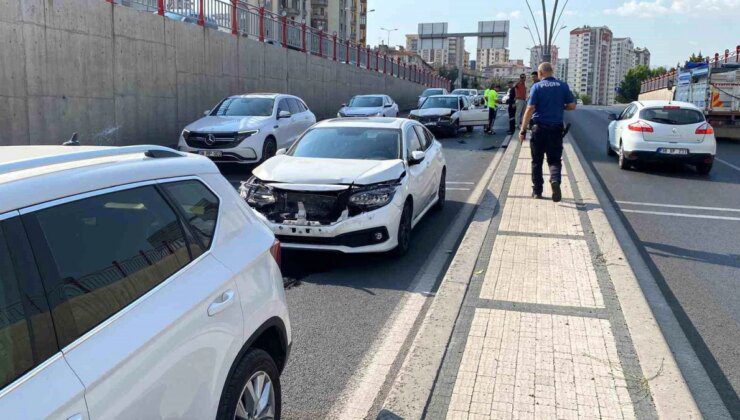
<point x="341" y="114"/>
<point x="445" y="118"/>
<point x="243" y="135"/>
<point x="373" y="198"/>
<point x="377" y="114"/>
<point x="185" y="134"/>
<point x="256" y="193"/>
<point x="413" y="117"/>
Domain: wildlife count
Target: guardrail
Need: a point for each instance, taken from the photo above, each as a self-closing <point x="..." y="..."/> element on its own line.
<point x="663" y="81"/>
<point x="242" y="19"/>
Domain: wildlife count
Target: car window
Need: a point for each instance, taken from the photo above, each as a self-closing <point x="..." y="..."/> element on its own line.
<point x="412" y="141"/>
<point x="295" y="108"/>
<point x="199" y="207"/>
<point x="430" y="92"/>
<point x="244" y="107"/>
<point x="283" y="106"/>
<point x="366" y="102"/>
<point x="441" y="102"/>
<point x="26" y="334"/>
<point x="424" y="138"/>
<point x="348" y="143"/>
<point x="626" y="112"/>
<point x="672" y="115"/>
<point x="99" y="254"/>
<point x="301" y="105"/>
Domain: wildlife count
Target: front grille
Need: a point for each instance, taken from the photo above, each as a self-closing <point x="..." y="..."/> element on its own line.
<point x="352" y="239"/>
<point x="425" y="120"/>
<point x="222" y="140"/>
<point x="322" y="207"/>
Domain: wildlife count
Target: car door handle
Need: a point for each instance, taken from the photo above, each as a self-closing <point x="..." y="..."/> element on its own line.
<point x="223" y="301"/>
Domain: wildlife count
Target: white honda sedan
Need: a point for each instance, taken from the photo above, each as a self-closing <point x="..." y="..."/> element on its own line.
<point x="351" y="185"/>
<point x="447" y="113"/>
<point x="649" y="131"/>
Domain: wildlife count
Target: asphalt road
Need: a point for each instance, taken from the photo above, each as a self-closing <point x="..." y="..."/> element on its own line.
<point x="340" y="303"/>
<point x="688" y="228"/>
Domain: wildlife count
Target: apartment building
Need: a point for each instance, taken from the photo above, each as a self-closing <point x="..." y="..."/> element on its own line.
<point x="588" y="62"/>
<point x="487" y="57"/>
<point x="561" y="69"/>
<point x="622" y="59"/>
<point x="346" y="18"/>
<point x="642" y="57"/>
<point x="412" y="42"/>
<point x="535" y="55"/>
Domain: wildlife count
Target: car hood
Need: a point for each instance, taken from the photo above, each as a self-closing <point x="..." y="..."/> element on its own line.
<point x="226" y="124"/>
<point x="289" y="169"/>
<point x="432" y="112"/>
<point x="351" y="111"/>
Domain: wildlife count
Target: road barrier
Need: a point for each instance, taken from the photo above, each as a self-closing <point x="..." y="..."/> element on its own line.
<point x="242" y="19"/>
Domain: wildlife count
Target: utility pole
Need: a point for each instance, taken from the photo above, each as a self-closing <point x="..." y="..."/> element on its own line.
<point x="548" y="31"/>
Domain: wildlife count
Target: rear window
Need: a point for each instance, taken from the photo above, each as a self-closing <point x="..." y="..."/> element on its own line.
<point x="672" y="116"/>
<point x="430" y="92"/>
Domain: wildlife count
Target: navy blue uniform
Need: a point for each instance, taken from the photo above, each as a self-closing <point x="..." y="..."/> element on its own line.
<point x="549" y="97"/>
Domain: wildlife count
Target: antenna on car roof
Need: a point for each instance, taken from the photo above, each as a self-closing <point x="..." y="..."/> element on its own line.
<point x="72" y="141"/>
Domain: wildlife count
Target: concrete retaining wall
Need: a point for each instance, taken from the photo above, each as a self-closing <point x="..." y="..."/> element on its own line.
<point x="118" y="76"/>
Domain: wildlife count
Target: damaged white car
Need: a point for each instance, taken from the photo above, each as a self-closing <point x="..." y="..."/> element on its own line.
<point x="351" y="185"/>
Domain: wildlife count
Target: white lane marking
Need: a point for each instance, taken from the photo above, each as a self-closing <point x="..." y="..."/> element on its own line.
<point x="363" y="387"/>
<point x="677" y="206"/>
<point x="461" y="182"/>
<point x="737" y="168"/>
<point x="695" y="216"/>
<point x="458" y="189"/>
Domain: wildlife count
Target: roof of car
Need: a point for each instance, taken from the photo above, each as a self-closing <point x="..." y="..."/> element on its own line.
<point x="365" y="122"/>
<point x="655" y="102"/>
<point x="258" y="95"/>
<point x="32" y="175"/>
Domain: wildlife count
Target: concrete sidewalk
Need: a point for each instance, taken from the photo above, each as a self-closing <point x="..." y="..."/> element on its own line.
<point x="542" y="331"/>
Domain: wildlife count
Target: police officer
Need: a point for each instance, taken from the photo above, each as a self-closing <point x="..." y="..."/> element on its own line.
<point x="547" y="100"/>
<point x="491" y="96"/>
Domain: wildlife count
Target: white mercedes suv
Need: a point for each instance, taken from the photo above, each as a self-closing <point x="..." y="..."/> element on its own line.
<point x="351" y="185"/>
<point x="648" y="131"/>
<point x="136" y="284"/>
<point x="247" y="128"/>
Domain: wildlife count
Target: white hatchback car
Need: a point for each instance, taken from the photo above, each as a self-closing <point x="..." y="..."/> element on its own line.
<point x="651" y="131"/>
<point x="351" y="185"/>
<point x="136" y="284"/>
<point x="369" y="106"/>
<point x="247" y="128"/>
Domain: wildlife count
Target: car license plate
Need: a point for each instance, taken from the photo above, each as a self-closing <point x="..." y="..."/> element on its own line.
<point x="430" y="124"/>
<point x="673" y="151"/>
<point x="210" y="153"/>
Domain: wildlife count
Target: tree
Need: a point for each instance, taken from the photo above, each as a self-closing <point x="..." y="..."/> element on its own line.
<point x="586" y="99"/>
<point x="696" y="58"/>
<point x="448" y="73"/>
<point x="629" y="89"/>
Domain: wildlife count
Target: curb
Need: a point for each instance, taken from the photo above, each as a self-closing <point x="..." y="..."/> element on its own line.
<point x="642" y="302"/>
<point x="414" y="383"/>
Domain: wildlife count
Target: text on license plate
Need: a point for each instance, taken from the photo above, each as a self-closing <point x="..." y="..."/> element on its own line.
<point x="210" y="153"/>
<point x="430" y="123"/>
<point x="673" y="151"/>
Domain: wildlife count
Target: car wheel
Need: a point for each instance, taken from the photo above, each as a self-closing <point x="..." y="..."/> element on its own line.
<point x="441" y="192"/>
<point x="404" y="231"/>
<point x="704" y="168"/>
<point x="469" y="128"/>
<point x="269" y="148"/>
<point x="623" y="164"/>
<point x="253" y="390"/>
<point x="609" y="150"/>
<point x="455" y="128"/>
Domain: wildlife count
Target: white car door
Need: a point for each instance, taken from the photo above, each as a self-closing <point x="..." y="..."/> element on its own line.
<point x="287" y="129"/>
<point x="36" y="382"/>
<point x="621" y="123"/>
<point x="418" y="172"/>
<point x="150" y="322"/>
<point x="391" y="108"/>
<point x="433" y="168"/>
<point x="301" y="117"/>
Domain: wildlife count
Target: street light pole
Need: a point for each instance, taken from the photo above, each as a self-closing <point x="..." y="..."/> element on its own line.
<point x="388" y="31"/>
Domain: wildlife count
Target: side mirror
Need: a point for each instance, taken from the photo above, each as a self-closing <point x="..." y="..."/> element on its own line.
<point x="206" y="112"/>
<point x="284" y="114"/>
<point x="417" y="156"/>
<point x="281" y="151"/>
<point x="612" y="117"/>
<point x="343" y="105"/>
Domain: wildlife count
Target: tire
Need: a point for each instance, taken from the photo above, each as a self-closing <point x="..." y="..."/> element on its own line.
<point x="269" y="148"/>
<point x="623" y="164"/>
<point x="256" y="364"/>
<point x="609" y="150"/>
<point x="404" y="231"/>
<point x="704" y="168"/>
<point x="441" y="192"/>
<point x="469" y="128"/>
<point x="455" y="129"/>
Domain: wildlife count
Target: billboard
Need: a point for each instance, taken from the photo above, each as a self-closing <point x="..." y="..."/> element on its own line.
<point x="437" y="28"/>
<point x="493" y="27"/>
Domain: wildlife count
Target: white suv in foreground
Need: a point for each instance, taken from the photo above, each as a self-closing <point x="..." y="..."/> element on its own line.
<point x="136" y="284"/>
<point x="247" y="128"/>
<point x="648" y="131"/>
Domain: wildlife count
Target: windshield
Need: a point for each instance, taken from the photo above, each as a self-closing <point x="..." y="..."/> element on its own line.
<point x="462" y="92"/>
<point x="672" y="116"/>
<point x="440" y="102"/>
<point x="430" y="92"/>
<point x="366" y="102"/>
<point x="349" y="143"/>
<point x="244" y="107"/>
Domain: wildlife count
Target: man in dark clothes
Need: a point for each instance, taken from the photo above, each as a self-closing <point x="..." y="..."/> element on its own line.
<point x="511" y="106"/>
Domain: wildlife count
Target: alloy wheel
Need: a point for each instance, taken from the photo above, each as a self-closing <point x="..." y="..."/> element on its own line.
<point x="257" y="399"/>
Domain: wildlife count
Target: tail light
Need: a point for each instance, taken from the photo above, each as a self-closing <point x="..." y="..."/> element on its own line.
<point x="275" y="251"/>
<point x="640" y="126"/>
<point x="671" y="107"/>
<point x="705" y="129"/>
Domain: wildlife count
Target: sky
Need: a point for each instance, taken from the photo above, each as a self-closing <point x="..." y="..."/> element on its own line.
<point x="670" y="29"/>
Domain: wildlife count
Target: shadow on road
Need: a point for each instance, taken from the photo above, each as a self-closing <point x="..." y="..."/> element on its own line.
<point x="670" y="251"/>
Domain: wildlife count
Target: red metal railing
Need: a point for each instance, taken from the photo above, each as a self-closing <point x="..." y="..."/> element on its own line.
<point x="661" y="82"/>
<point x="242" y="19"/>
